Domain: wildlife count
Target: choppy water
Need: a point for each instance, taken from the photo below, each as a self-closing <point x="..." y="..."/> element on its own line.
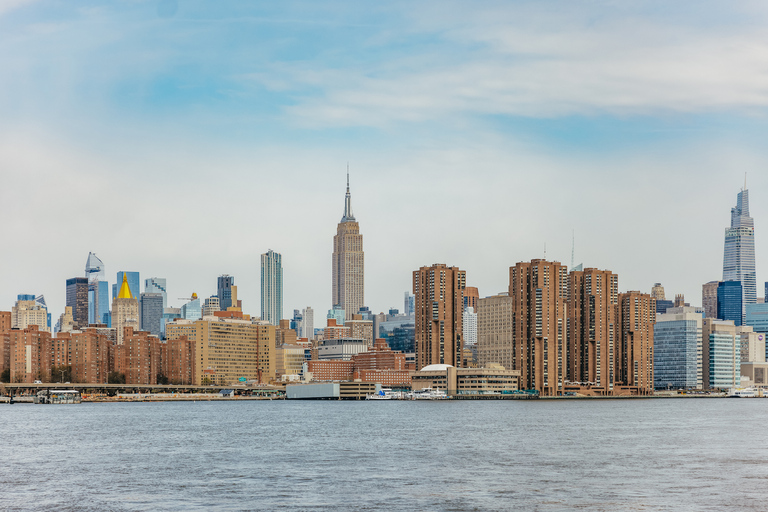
<point x="611" y="455"/>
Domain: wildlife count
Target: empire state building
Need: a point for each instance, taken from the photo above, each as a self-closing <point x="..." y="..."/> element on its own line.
<point x="348" y="262"/>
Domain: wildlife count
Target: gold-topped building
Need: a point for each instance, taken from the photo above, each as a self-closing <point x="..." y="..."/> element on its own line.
<point x="125" y="310"/>
<point x="348" y="262"/>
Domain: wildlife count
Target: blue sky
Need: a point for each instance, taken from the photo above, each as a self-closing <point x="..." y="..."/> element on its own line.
<point x="183" y="139"/>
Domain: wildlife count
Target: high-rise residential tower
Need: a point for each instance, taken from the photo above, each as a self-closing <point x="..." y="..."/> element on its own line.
<point x="739" y="254"/>
<point x="272" y="287"/>
<point x="348" y="263"/>
<point x="539" y="292"/>
<point x="592" y="346"/>
<point x="636" y="317"/>
<point x="439" y="292"/>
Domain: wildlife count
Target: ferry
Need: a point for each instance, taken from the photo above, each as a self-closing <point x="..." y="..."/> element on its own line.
<point x="385" y="394"/>
<point x="742" y="393"/>
<point x="428" y="394"/>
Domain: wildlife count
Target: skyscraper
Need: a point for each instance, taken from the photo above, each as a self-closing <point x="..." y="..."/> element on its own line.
<point x="225" y="284"/>
<point x="709" y="299"/>
<point x="125" y="310"/>
<point x="133" y="284"/>
<point x="348" y="272"/>
<point x="729" y="302"/>
<point x="593" y="296"/>
<point x="308" y="323"/>
<point x="272" y="287"/>
<point x="539" y="293"/>
<point x="98" y="290"/>
<point x="439" y="292"/>
<point x="157" y="285"/>
<point x="152" y="313"/>
<point x="77" y="299"/>
<point x="634" y="352"/>
<point x="677" y="349"/>
<point x="739" y="254"/>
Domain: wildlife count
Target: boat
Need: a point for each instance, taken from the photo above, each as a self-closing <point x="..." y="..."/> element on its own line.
<point x="381" y="395"/>
<point x="428" y="394"/>
<point x="742" y="393"/>
<point x="58" y="396"/>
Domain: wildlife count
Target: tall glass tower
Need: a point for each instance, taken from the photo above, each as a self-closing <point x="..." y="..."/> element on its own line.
<point x="98" y="290"/>
<point x="739" y="257"/>
<point x="272" y="287"/>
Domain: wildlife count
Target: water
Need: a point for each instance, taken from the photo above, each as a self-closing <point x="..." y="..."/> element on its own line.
<point x="611" y="455"/>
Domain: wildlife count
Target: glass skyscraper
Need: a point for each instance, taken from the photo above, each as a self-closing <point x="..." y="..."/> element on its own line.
<point x="98" y="290"/>
<point x="272" y="287"/>
<point x="677" y="349"/>
<point x="157" y="285"/>
<point x="739" y="254"/>
<point x="225" y="284"/>
<point x="729" y="301"/>
<point x="133" y="284"/>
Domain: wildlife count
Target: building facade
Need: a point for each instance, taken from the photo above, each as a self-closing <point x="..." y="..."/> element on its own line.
<point x="721" y="344"/>
<point x="635" y="342"/>
<point x="125" y="310"/>
<point x="729" y="301"/>
<point x="224" y="286"/>
<point x="739" y="253"/>
<point x="77" y="299"/>
<point x="709" y="298"/>
<point x="272" y="287"/>
<point x="469" y="326"/>
<point x="495" y="331"/>
<point x="157" y="285"/>
<point x="439" y="305"/>
<point x="151" y="315"/>
<point x="677" y="349"/>
<point x="539" y="291"/>
<point x="348" y="263"/>
<point x="28" y="312"/>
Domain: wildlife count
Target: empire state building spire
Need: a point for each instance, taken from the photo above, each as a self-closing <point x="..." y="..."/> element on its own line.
<point x="348" y="216"/>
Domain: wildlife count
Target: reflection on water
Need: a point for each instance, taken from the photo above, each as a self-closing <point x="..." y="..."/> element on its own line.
<point x="612" y="455"/>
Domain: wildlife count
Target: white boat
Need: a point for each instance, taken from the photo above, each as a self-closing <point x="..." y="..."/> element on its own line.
<point x="383" y="394"/>
<point x="428" y="394"/>
<point x="742" y="393"/>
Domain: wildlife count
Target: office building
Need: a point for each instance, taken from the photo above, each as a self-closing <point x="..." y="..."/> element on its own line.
<point x="539" y="292"/>
<point x="151" y="317"/>
<point x="157" y="285"/>
<point x="307" y="324"/>
<point x="709" y="298"/>
<point x="493" y="379"/>
<point x="739" y="253"/>
<point x="657" y="292"/>
<point x="341" y="349"/>
<point x="125" y="310"/>
<point x="348" y="263"/>
<point x="399" y="332"/>
<point x="98" y="290"/>
<point x="337" y="314"/>
<point x="66" y="321"/>
<point x="28" y="312"/>
<point x="593" y="297"/>
<point x="729" y="297"/>
<point x="752" y="345"/>
<point x="77" y="299"/>
<point x="721" y="345"/>
<point x="192" y="310"/>
<point x="408" y="304"/>
<point x="272" y="287"/>
<point x="439" y="304"/>
<point x="224" y="287"/>
<point x="677" y="349"/>
<point x="211" y="306"/>
<point x="133" y="284"/>
<point x="635" y="342"/>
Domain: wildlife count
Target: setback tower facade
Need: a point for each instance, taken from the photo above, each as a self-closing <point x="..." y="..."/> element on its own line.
<point x="348" y="272"/>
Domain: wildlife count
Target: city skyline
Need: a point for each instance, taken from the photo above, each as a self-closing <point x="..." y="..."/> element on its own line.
<point x="480" y="173"/>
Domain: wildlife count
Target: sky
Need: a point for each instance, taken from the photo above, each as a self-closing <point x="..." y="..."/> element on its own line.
<point x="182" y="139"/>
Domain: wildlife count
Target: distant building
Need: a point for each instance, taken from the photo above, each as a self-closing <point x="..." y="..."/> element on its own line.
<point x="338" y="314"/>
<point x="348" y="263"/>
<point x="471" y="297"/>
<point x="157" y="285"/>
<point x="729" y="297"/>
<point x="192" y="310"/>
<point x="739" y="253"/>
<point x="469" y="326"/>
<point x="495" y="331"/>
<point x="211" y="306"/>
<point x="151" y="316"/>
<point x="399" y="332"/>
<point x="677" y="350"/>
<point x="272" y="287"/>
<point x="29" y="312"/>
<point x="408" y="304"/>
<point x="360" y="329"/>
<point x="125" y="310"/>
<point x="98" y="290"/>
<point x="494" y="379"/>
<point x="308" y="324"/>
<point x="133" y="284"/>
<point x="224" y="286"/>
<point x="663" y="305"/>
<point x="635" y="342"/>
<point x="721" y="344"/>
<point x="77" y="299"/>
<point x="657" y="292"/>
<point x="66" y="320"/>
<point x="752" y="345"/>
<point x="439" y="292"/>
<point x="709" y="298"/>
<point x="340" y="349"/>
